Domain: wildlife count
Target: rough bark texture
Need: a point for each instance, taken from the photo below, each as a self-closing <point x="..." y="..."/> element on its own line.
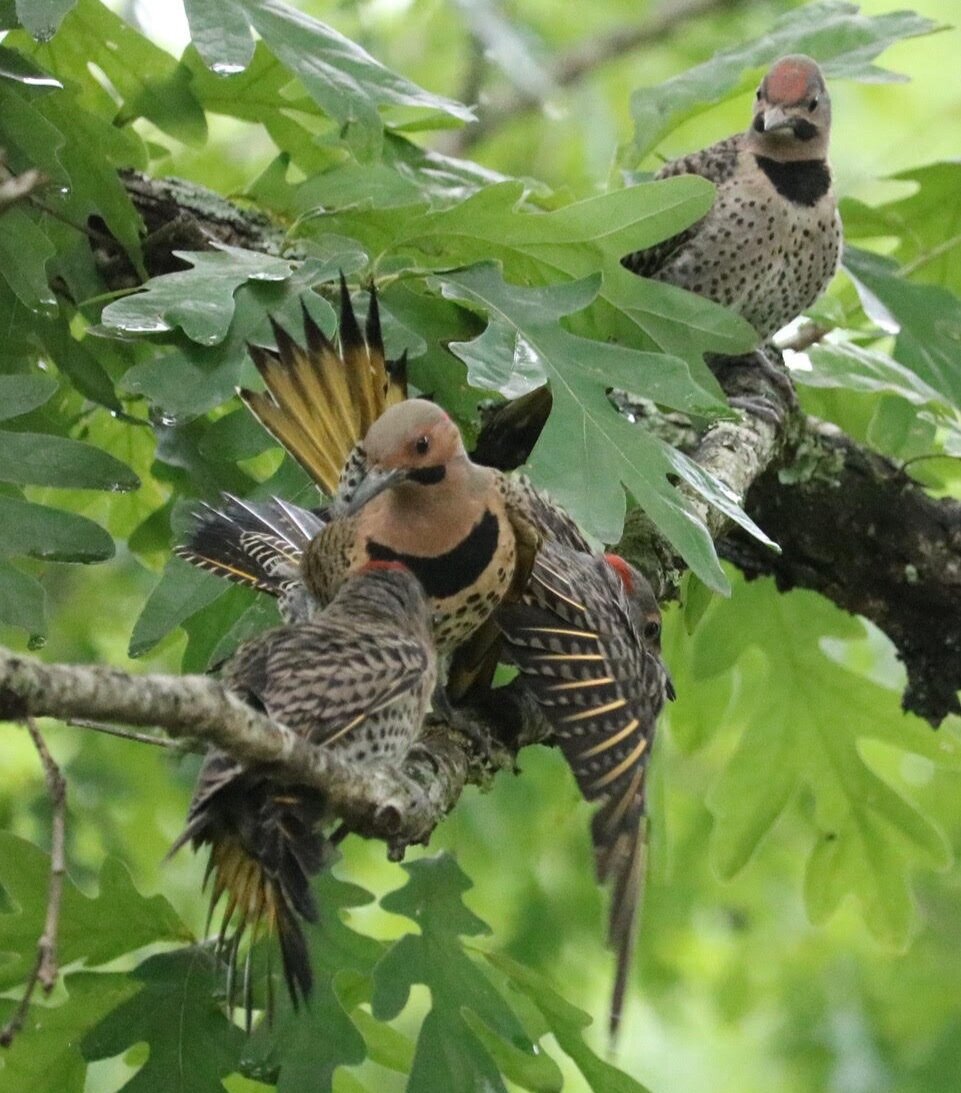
<point x="850" y="524"/>
<point x="400" y="805"/>
<point x="856" y="528"/>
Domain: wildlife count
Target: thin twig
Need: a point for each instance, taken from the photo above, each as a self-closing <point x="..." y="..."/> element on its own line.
<point x="580" y="61"/>
<point x="129" y="734"/>
<point x="46" y="967"/>
<point x="804" y="337"/>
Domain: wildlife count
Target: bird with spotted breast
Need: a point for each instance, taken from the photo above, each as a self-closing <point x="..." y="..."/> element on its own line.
<point x="420" y="500"/>
<point x="410" y="493"/>
<point x="586" y="639"/>
<point x="403" y="485"/>
<point x="356" y="678"/>
<point x="771" y="242"/>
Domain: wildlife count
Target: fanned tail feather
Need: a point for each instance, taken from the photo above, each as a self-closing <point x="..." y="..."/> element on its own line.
<point x="320" y="403"/>
<point x="265" y="846"/>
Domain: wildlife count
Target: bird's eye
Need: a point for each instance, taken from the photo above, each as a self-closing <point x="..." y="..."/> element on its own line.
<point x="652" y="631"/>
<point x="422" y="445"/>
<point x="813" y="104"/>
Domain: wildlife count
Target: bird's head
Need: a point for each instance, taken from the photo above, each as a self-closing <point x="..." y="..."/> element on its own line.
<point x="644" y="610"/>
<point x="411" y="445"/>
<point x="792" y="111"/>
<point x="640" y="595"/>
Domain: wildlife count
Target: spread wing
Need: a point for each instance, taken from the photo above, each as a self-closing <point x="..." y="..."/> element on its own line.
<point x="574" y="640"/>
<point x="254" y="543"/>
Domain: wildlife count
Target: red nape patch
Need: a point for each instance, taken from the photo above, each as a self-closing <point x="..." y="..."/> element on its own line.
<point x="788" y="81"/>
<point x="622" y="569"/>
<point x="369" y="567"/>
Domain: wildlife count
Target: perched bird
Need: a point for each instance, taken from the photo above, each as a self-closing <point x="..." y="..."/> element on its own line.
<point x="410" y="493"/>
<point x="358" y="678"/>
<point x="770" y="243"/>
<point x="586" y="638"/>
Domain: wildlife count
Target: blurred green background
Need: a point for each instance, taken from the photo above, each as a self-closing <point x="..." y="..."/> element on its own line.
<point x="735" y="990"/>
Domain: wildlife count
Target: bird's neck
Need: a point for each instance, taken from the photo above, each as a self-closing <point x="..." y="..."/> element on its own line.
<point x="430" y="518"/>
<point x="786" y="149"/>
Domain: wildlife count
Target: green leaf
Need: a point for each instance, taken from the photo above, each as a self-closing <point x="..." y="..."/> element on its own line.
<point x="448" y="1054"/>
<point x="385" y="1045"/>
<point x="343" y="79"/>
<point x="898" y="429"/>
<point x="235" y="436"/>
<point x="24" y="251"/>
<point x="538" y="1072"/>
<point x="42" y="17"/>
<point x="45" y="1055"/>
<point x="78" y="150"/>
<point x="588" y="453"/>
<point x="148" y="80"/>
<point x="812" y="731"/>
<point x="182" y="590"/>
<point x="311" y="1044"/>
<point x="14" y="66"/>
<point x="219" y="30"/>
<point x="567" y="1023"/>
<point x="195" y="378"/>
<point x="51" y="534"/>
<point x="929" y="318"/>
<point x="19" y="394"/>
<point x="192" y="1044"/>
<point x="856" y="369"/>
<point x="39" y="459"/>
<point x="253" y="619"/>
<point x="575" y="241"/>
<point x="95" y="929"/>
<point x="833" y="32"/>
<point x="78" y="362"/>
<point x="22" y="601"/>
<point x="200" y="300"/>
<point x="926" y="225"/>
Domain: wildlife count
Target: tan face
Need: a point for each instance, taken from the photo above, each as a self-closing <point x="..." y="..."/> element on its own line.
<point x="792" y="106"/>
<point x="413" y="435"/>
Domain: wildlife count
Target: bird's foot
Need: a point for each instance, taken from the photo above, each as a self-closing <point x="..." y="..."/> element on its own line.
<point x="760" y="406"/>
<point x="778" y="374"/>
<point x="463" y="723"/>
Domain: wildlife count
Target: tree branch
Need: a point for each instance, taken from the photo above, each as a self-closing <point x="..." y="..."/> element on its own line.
<point x="856" y="528"/>
<point x="900" y="571"/>
<point x="580" y="61"/>
<point x="850" y="523"/>
<point x="400" y="805"/>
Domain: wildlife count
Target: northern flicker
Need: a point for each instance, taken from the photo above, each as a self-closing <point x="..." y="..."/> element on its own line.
<point x="771" y="241"/>
<point x="403" y="484"/>
<point x="410" y="493"/>
<point x="586" y="638"/>
<point x="358" y="678"/>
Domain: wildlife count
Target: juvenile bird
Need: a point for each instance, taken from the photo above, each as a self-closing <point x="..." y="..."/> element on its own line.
<point x="770" y="243"/>
<point x="586" y="638"/>
<point x="357" y="678"/>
